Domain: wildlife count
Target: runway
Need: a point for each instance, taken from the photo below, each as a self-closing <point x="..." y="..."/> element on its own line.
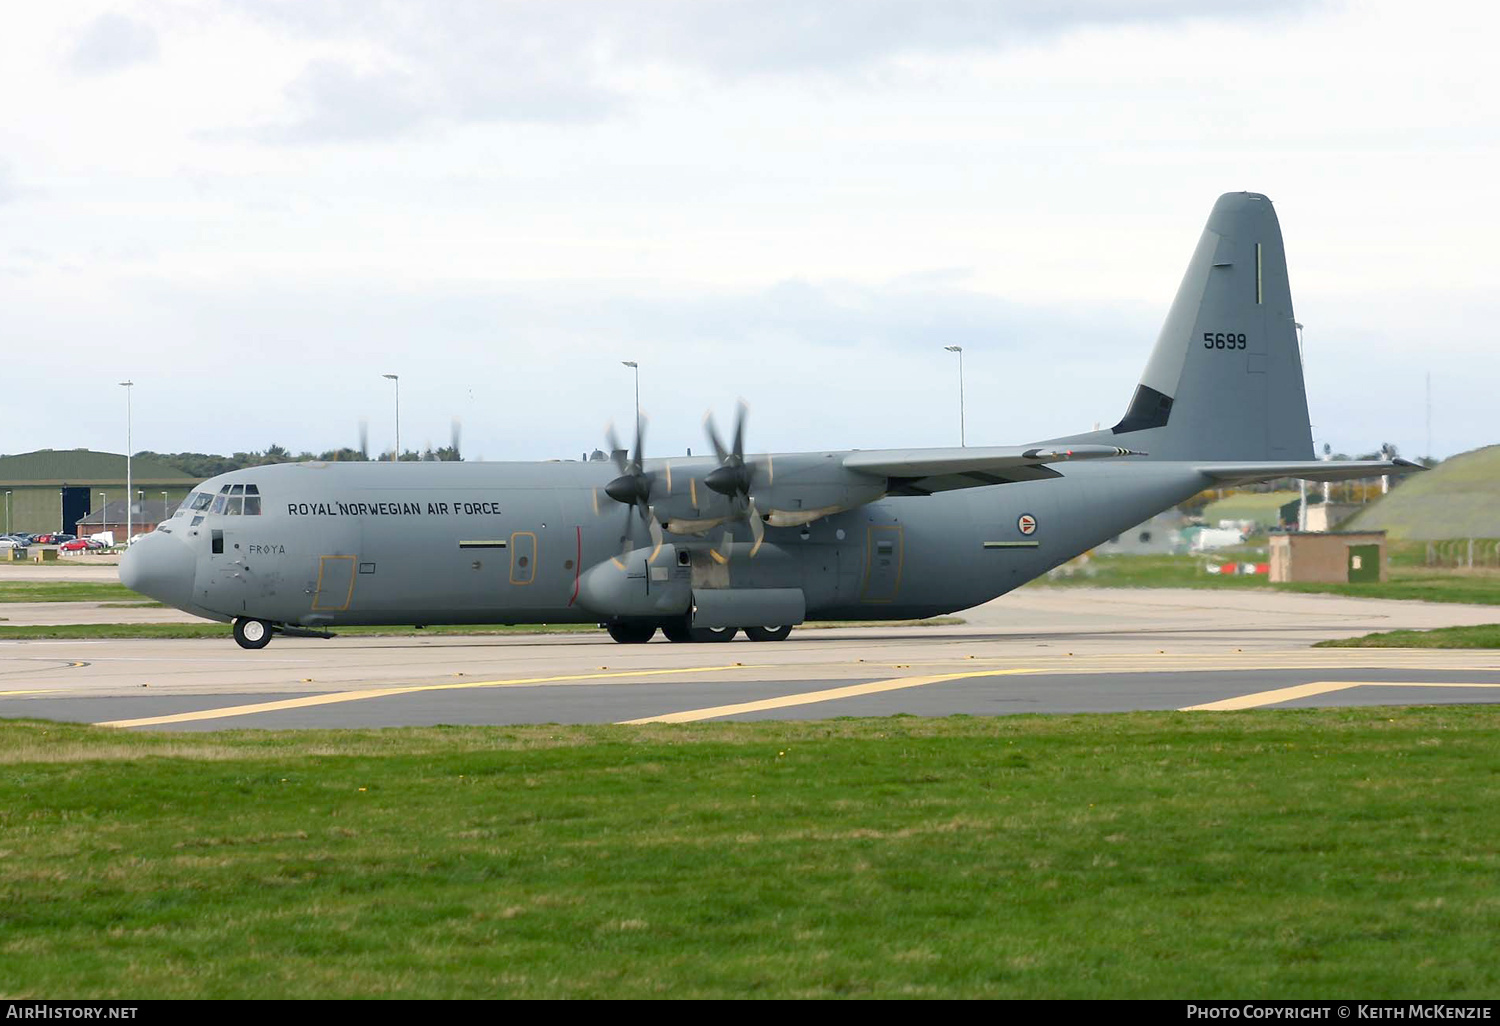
<point x="1036" y="651"/>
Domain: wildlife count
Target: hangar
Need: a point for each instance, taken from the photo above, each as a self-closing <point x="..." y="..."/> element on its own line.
<point x="52" y="489"/>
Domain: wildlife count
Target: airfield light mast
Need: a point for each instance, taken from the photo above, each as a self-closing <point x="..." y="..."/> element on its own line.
<point x="129" y="522"/>
<point x="962" y="441"/>
<point x="637" y="368"/>
<point x="397" y="379"/>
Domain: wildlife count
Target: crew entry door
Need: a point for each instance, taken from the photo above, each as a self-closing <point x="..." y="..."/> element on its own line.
<point x="883" y="558"/>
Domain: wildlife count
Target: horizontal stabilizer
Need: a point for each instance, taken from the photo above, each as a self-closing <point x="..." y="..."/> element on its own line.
<point x="1309" y="470"/>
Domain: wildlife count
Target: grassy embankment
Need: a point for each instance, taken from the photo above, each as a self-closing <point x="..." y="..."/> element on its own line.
<point x="1267" y="854"/>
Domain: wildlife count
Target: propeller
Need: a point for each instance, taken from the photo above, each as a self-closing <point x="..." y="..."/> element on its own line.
<point x="734" y="477"/>
<point x="633" y="489"/>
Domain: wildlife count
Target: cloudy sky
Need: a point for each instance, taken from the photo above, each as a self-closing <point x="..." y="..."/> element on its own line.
<point x="255" y="208"/>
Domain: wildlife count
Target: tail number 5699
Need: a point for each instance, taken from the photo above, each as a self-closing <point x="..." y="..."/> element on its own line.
<point x="1223" y="340"/>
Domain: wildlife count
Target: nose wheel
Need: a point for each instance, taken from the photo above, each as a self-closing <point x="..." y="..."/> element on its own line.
<point x="252" y="633"/>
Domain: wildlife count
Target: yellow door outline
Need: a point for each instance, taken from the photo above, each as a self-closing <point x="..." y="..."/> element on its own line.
<point x="528" y="572"/>
<point x="318" y="591"/>
<point x="870" y="552"/>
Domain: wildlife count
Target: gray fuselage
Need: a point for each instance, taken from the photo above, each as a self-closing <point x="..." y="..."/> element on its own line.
<point x="430" y="543"/>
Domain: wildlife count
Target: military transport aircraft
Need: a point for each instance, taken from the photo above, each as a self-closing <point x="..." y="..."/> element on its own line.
<point x="702" y="547"/>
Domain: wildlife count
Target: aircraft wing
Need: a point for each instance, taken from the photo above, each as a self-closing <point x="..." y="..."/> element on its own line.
<point x="1311" y="470"/>
<point x="924" y="471"/>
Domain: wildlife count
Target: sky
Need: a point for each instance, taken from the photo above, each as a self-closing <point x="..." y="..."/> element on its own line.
<point x="254" y="209"/>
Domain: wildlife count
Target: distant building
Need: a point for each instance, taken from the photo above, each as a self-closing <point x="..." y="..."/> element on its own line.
<point x="1329" y="557"/>
<point x="144" y="516"/>
<point x="1326" y="516"/>
<point x="52" y="489"/>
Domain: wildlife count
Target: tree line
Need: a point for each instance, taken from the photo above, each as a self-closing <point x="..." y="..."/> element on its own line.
<point x="205" y="465"/>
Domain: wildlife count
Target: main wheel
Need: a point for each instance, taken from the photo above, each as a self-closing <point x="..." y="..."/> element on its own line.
<point x="631" y="633"/>
<point x="251" y="633"/>
<point x="712" y="633"/>
<point x="677" y="630"/>
<point x="768" y="633"/>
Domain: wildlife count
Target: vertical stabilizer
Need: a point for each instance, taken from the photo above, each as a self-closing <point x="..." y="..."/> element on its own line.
<point x="1225" y="379"/>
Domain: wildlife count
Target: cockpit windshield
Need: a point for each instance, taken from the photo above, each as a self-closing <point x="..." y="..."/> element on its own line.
<point x="232" y="500"/>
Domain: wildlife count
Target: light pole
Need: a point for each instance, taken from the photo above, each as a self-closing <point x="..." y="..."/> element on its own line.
<point x="962" y="441"/>
<point x="1301" y="482"/>
<point x="129" y="523"/>
<point x="397" y="380"/>
<point x="7" y="512"/>
<point x="163" y="507"/>
<point x="636" y="367"/>
<point x="104" y="508"/>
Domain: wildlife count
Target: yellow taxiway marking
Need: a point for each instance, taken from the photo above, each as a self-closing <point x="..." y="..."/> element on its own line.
<point x="809" y="697"/>
<point x="356" y="696"/>
<point x="1319" y="687"/>
<point x="39" y="691"/>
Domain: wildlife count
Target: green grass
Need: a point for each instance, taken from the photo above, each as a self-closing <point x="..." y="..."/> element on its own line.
<point x="1482" y="636"/>
<point x="66" y="591"/>
<point x="1408" y="579"/>
<point x="1268" y="854"/>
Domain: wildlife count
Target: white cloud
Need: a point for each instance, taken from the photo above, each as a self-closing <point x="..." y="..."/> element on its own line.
<point x="111" y="43"/>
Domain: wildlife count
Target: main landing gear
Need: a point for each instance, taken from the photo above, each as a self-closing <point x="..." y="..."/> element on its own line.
<point x="679" y="630"/>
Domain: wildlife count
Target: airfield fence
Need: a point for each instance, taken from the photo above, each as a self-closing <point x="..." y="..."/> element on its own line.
<point x="1464" y="552"/>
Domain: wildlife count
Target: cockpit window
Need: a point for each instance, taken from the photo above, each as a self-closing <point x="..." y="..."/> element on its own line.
<point x="236" y="500"/>
<point x="199" y="501"/>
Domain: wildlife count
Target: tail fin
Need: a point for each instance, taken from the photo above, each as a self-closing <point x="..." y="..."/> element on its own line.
<point x="1224" y="382"/>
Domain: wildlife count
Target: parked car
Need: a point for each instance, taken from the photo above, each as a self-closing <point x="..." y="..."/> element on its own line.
<point x="11" y="542"/>
<point x="75" y="545"/>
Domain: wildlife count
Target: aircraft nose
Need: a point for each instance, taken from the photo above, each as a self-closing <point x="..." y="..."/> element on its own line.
<point x="161" y="567"/>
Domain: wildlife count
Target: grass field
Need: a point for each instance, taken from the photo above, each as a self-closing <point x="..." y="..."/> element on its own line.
<point x="66" y="591"/>
<point x="1407" y="581"/>
<point x="1482" y="636"/>
<point x="1285" y="854"/>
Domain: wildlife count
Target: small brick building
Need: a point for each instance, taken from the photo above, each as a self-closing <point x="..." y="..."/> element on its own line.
<point x="1328" y="557"/>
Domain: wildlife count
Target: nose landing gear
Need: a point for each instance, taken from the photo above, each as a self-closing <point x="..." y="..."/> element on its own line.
<point x="252" y="633"/>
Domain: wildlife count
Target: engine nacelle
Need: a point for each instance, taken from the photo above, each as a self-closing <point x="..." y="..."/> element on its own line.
<point x="634" y="585"/>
